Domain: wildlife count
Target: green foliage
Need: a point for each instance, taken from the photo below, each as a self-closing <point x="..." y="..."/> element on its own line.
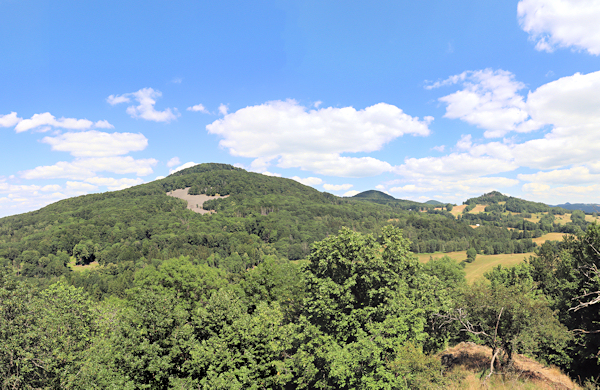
<point x="471" y="255"/>
<point x="511" y="318"/>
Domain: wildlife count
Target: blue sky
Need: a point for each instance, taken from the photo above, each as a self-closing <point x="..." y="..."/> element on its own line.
<point x="423" y="99"/>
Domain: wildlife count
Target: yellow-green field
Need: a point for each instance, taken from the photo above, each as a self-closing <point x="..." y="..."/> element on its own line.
<point x="73" y="265"/>
<point x="482" y="263"/>
<point x="549" y="236"/>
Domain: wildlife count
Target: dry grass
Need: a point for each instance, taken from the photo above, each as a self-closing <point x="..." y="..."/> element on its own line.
<point x="485" y="263"/>
<point x="194" y="202"/>
<point x="473" y="361"/>
<point x="562" y="219"/>
<point x="535" y="218"/>
<point x="550" y="237"/>
<point x="482" y="264"/>
<point x="79" y="268"/>
<point x="480" y="208"/>
<point x="458" y="209"/>
<point x="590" y="218"/>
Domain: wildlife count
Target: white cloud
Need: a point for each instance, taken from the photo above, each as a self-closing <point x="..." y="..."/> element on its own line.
<point x="181" y="167"/>
<point x="103" y="125"/>
<point x="308" y="181"/>
<point x="47" y="119"/>
<point x="97" y="144"/>
<point x="177" y="80"/>
<point x="79" y="186"/>
<point x="489" y="100"/>
<point x="337" y="187"/>
<point x="574" y="175"/>
<point x="145" y="110"/>
<point x="223" y="109"/>
<point x="198" y="108"/>
<point x="9" y="120"/>
<point x="159" y="177"/>
<point x="51" y="188"/>
<point x="573" y="194"/>
<point x="465" y="142"/>
<point x="455" y="165"/>
<point x="351" y="193"/>
<point x="439" y="148"/>
<point x="272" y="174"/>
<point x="410" y="188"/>
<point x="174" y="161"/>
<point x="315" y="139"/>
<point x="84" y="168"/>
<point x="114" y="184"/>
<point x="561" y="23"/>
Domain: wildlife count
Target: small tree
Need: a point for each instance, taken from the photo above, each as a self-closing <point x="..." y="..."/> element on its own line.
<point x="508" y="319"/>
<point x="471" y="255"/>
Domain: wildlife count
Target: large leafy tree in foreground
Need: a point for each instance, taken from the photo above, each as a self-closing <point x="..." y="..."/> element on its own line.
<point x="367" y="301"/>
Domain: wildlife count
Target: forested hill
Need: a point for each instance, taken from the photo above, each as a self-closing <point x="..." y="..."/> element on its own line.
<point x="262" y="216"/>
<point x="383" y="198"/>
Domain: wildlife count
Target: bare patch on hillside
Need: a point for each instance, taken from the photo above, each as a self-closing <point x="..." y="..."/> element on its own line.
<point x="194" y="202"/>
<point x="475" y="361"/>
<point x="458" y="209"/>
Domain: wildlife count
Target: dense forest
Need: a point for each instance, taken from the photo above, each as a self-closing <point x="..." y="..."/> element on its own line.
<point x="284" y="287"/>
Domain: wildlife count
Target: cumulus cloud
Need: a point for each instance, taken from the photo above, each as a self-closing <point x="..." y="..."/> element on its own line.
<point x="308" y="181"/>
<point x="80" y="186"/>
<point x="561" y="23"/>
<point x="174" y="161"/>
<point x="103" y="125"/>
<point x="574" y="175"/>
<point x="145" y="109"/>
<point x="184" y="166"/>
<point x="46" y="119"/>
<point x="84" y="168"/>
<point x="9" y="120"/>
<point x="114" y="184"/>
<point x="455" y="165"/>
<point x="223" y="109"/>
<point x="272" y="174"/>
<point x="314" y="139"/>
<point x="488" y="99"/>
<point x="198" y="108"/>
<point x="351" y="193"/>
<point x="337" y="187"/>
<point x="97" y="144"/>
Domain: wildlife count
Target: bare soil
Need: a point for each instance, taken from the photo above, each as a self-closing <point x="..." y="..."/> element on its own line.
<point x="194" y="202"/>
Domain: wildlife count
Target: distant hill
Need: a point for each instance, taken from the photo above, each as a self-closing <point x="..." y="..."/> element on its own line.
<point x="587" y="208"/>
<point x="374" y="194"/>
<point x="435" y="203"/>
<point x="383" y="198"/>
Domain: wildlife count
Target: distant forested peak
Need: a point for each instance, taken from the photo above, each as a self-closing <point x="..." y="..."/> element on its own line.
<point x="205" y="167"/>
<point x="435" y="203"/>
<point x="374" y="194"/>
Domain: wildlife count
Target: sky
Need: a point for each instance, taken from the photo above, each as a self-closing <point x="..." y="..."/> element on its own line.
<point x="422" y="100"/>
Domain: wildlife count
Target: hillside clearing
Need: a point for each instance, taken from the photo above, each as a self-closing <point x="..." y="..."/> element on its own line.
<point x="481" y="265"/>
<point x="472" y="362"/>
<point x="194" y="202"/>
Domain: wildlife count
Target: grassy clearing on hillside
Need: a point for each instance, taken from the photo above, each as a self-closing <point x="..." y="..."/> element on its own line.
<point x="485" y="263"/>
<point x="78" y="268"/>
<point x="590" y="218"/>
<point x="482" y="263"/>
<point x="458" y="209"/>
<point x="472" y="362"/>
<point x="550" y="237"/>
<point x="480" y="208"/>
<point x="535" y="218"/>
